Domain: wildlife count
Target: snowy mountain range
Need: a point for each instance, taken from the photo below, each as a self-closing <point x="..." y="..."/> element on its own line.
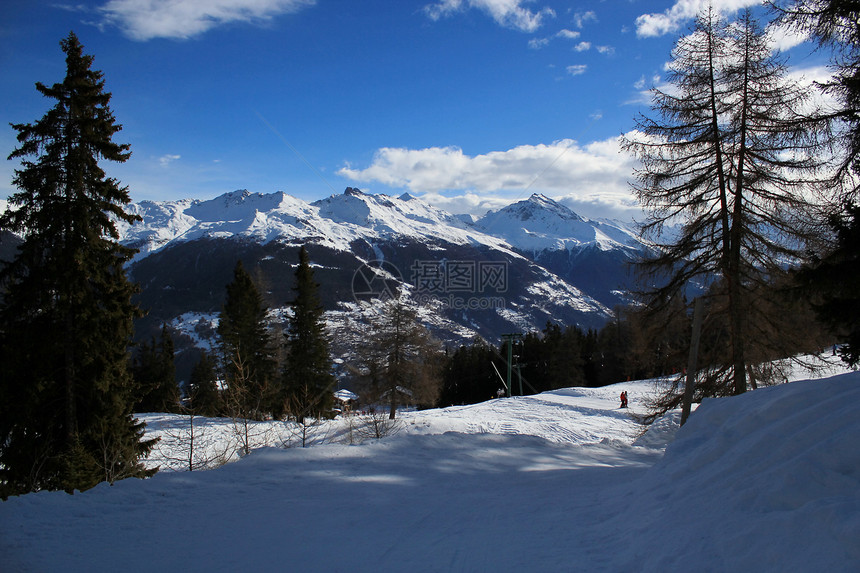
<point x="511" y="270"/>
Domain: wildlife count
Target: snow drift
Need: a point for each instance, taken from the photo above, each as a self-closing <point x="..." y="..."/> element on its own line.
<point x="767" y="481"/>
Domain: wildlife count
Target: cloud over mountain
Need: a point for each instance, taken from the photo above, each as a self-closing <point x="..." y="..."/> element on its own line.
<point x="598" y="171"/>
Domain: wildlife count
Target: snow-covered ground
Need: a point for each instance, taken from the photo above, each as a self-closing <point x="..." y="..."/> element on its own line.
<point x="767" y="481"/>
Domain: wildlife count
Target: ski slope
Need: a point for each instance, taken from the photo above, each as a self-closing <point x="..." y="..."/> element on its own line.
<point x="766" y="481"/>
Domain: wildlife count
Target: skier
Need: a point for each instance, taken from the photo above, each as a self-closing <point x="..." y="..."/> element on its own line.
<point x="624" y="399"/>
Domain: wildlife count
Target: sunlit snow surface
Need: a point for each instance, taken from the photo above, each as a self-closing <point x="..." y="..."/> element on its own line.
<point x="767" y="481"/>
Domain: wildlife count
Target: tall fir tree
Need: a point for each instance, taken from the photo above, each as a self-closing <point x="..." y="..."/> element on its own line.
<point x="246" y="348"/>
<point x="308" y="378"/>
<point x="66" y="313"/>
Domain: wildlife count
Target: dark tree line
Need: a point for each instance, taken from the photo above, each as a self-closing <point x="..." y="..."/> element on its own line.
<point x="639" y="343"/>
<point x="557" y="357"/>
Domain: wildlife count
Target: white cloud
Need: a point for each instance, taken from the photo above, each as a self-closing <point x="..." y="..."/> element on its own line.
<point x="590" y="174"/>
<point x="812" y="74"/>
<point x="582" y="47"/>
<point x="644" y="94"/>
<point x="642" y="83"/>
<point x="538" y="43"/>
<point x="577" y="69"/>
<point x="782" y="38"/>
<point x="468" y="202"/>
<point x="568" y="34"/>
<point x="508" y="13"/>
<point x="621" y="206"/>
<point x="581" y="18"/>
<point x="650" y="25"/>
<point x="808" y="78"/>
<point x="166" y="160"/>
<point x="606" y="50"/>
<point x="147" y="19"/>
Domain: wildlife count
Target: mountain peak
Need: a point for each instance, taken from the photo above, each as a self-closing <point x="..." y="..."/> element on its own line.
<point x="541" y="199"/>
<point x="541" y="223"/>
<point x="538" y="206"/>
<point x="354" y="192"/>
<point x="236" y="196"/>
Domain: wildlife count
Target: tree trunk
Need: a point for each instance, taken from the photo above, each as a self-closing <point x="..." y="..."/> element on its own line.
<point x="692" y="364"/>
<point x="69" y="375"/>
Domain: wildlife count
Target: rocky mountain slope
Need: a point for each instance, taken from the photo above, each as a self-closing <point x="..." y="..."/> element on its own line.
<point x="510" y="271"/>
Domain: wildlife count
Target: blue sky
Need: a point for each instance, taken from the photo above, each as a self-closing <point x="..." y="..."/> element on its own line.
<point x="469" y="104"/>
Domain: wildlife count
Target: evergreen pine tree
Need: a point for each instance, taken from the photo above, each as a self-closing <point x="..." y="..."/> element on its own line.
<point x="66" y="313"/>
<point x="246" y="348"/>
<point x="203" y="395"/>
<point x="154" y="373"/>
<point x="308" y="380"/>
<point x="834" y="24"/>
<point x="833" y="283"/>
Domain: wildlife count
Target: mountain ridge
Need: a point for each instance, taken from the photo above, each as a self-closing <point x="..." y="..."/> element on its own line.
<point x="558" y="265"/>
<point x="535" y="224"/>
<point x="336" y="221"/>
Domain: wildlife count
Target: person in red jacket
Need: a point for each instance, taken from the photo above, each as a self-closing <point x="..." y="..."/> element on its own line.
<point x="624" y="399"/>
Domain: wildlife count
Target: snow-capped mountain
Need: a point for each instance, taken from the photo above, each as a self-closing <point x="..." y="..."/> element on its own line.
<point x="511" y="270"/>
<point x="335" y="222"/>
<point x="592" y="255"/>
<point x="539" y="224"/>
